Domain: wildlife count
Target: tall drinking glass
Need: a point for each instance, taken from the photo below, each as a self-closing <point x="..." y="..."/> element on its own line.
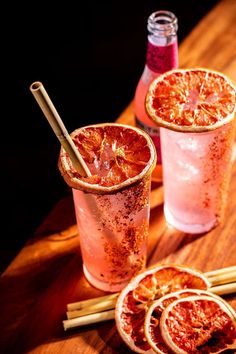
<point x="196" y="111"/>
<point x="112" y="206"/>
<point x="196" y="174"/>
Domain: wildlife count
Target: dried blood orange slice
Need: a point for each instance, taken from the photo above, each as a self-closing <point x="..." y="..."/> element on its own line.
<point x="134" y="300"/>
<point x="198" y="324"/>
<point x="153" y="315"/>
<point x="191" y="100"/>
<point x="117" y="155"/>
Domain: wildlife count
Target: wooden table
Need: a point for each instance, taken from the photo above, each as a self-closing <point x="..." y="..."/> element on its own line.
<point x="47" y="273"/>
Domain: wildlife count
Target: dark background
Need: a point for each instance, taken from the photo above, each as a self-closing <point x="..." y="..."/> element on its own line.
<point x="89" y="59"/>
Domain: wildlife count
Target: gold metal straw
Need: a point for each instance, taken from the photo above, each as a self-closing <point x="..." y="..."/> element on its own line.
<point x="58" y="127"/>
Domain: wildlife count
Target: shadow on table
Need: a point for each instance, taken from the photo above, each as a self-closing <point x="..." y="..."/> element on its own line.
<point x="40" y="282"/>
<point x="164" y="240"/>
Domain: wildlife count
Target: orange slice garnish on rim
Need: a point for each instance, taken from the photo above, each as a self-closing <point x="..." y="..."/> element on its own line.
<point x="191" y="100"/>
<point x="117" y="156"/>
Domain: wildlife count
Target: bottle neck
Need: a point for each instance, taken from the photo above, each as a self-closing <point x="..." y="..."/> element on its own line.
<point x="162" y="47"/>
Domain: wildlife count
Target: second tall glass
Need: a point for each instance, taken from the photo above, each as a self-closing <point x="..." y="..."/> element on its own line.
<point x="195" y="109"/>
<point x="196" y="174"/>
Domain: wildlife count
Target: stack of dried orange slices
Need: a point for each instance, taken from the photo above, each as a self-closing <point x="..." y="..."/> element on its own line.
<point x="168" y="309"/>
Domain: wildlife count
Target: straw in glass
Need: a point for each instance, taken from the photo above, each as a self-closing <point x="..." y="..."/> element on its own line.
<point x="58" y="127"/>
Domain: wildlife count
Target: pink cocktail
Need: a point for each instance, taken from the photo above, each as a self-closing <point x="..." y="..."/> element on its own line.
<point x="196" y="173"/>
<point x="112" y="206"/>
<point x="195" y="109"/>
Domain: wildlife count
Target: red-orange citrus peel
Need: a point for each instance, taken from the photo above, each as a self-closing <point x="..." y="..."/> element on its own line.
<point x="152" y="319"/>
<point x="191" y="100"/>
<point x="134" y="300"/>
<point x="117" y="155"/>
<point x="197" y="325"/>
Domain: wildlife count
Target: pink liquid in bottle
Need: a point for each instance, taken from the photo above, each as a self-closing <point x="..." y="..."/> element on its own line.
<point x="162" y="55"/>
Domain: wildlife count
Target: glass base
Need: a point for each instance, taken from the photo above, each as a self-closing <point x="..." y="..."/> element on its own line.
<point x="103" y="285"/>
<point x="188" y="228"/>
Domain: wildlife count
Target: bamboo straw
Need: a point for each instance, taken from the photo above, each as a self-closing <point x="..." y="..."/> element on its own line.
<point x="89" y="319"/>
<point x="223" y="278"/>
<point x="224" y="289"/>
<point x="58" y="127"/>
<point x="96" y="308"/>
<point x="220" y="271"/>
<point x="110" y="314"/>
<point x="85" y="303"/>
<point x="87" y="307"/>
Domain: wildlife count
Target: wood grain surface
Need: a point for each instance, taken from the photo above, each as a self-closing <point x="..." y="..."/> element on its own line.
<point x="47" y="273"/>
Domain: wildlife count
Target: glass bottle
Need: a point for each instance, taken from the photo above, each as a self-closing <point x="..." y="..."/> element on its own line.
<point x="161" y="56"/>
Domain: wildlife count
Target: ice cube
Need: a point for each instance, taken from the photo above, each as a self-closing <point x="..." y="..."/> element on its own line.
<point x="191" y="145"/>
<point x="188" y="171"/>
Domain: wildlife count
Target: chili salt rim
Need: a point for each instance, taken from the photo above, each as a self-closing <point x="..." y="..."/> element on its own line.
<point x="183" y="128"/>
<point x="76" y="183"/>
